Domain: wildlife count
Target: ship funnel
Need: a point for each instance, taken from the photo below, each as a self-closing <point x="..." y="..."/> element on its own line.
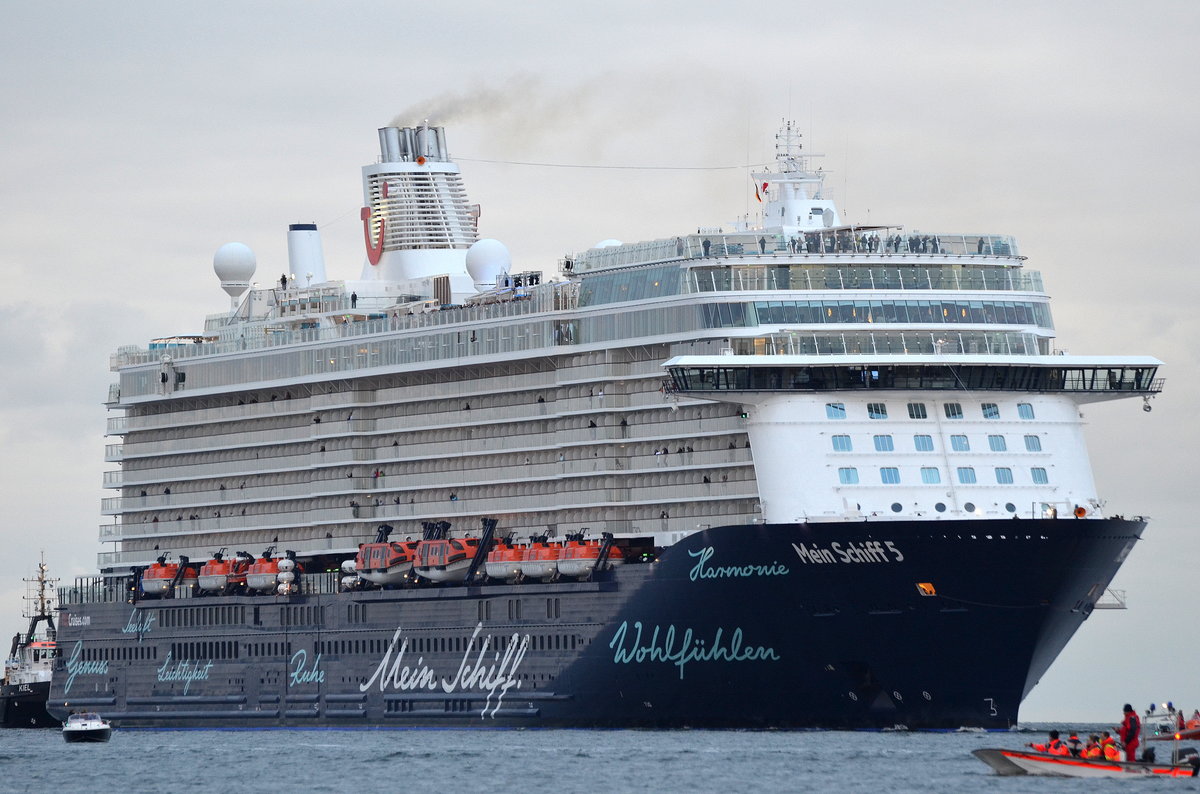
<point x="409" y="145"/>
<point x="306" y="260"/>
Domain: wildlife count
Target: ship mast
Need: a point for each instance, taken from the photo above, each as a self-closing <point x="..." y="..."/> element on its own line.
<point x="40" y="601"/>
<point x="792" y="194"/>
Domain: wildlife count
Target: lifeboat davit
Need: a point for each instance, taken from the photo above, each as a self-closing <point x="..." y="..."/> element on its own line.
<point x="263" y="574"/>
<point x="219" y="574"/>
<point x="541" y="560"/>
<point x="445" y="560"/>
<point x="158" y="578"/>
<point x="385" y="563"/>
<point x="504" y="562"/>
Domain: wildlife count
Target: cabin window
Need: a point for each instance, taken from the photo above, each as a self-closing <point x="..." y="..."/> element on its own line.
<point x="1025" y="410"/>
<point x="966" y="475"/>
<point x="884" y="444"/>
<point x="1004" y="475"/>
<point x="848" y="475"/>
<point x="842" y="444"/>
<point x="1039" y="475"/>
<point x="876" y="410"/>
<point x="923" y="443"/>
<point x="835" y="410"/>
<point x="997" y="444"/>
<point x="930" y="475"/>
<point x="1033" y="444"/>
<point x="917" y="411"/>
<point x="960" y="444"/>
<point x="890" y="475"/>
<point x="953" y="410"/>
<point x="990" y="410"/>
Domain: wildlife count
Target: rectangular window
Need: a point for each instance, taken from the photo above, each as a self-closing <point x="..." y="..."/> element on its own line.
<point x="917" y="411"/>
<point x="842" y="444"/>
<point x="1025" y="410"/>
<point x="1033" y="444"/>
<point x="890" y="475"/>
<point x="966" y="475"/>
<point x="848" y="475"/>
<point x="923" y="443"/>
<point x="930" y="475"/>
<point x="997" y="444"/>
<point x="883" y="444"/>
<point x="960" y="444"/>
<point x="876" y="411"/>
<point x="835" y="410"/>
<point x="953" y="410"/>
<point x="990" y="410"/>
<point x="1004" y="475"/>
<point x="1039" y="475"/>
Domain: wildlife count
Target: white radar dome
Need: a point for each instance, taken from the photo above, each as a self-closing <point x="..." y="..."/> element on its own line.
<point x="607" y="243"/>
<point x="234" y="265"/>
<point x="487" y="259"/>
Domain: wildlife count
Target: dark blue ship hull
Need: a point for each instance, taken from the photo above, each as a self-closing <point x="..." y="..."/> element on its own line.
<point x="928" y="624"/>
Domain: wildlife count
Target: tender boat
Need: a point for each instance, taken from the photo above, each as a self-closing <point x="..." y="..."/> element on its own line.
<point x="86" y="726"/>
<point x="1029" y="762"/>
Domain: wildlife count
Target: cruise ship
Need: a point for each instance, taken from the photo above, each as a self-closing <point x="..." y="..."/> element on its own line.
<point x="789" y="473"/>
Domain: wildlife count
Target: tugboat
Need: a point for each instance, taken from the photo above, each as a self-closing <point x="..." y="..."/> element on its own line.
<point x="30" y="661"/>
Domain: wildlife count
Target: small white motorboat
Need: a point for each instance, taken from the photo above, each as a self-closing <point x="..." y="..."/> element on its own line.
<point x="86" y="727"/>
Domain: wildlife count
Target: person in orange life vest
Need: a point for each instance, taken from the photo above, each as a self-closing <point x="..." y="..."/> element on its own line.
<point x="1108" y="745"/>
<point x="1054" y="747"/>
<point x="1092" y="748"/>
<point x="1194" y="722"/>
<point x="1073" y="747"/>
<point x="1129" y="732"/>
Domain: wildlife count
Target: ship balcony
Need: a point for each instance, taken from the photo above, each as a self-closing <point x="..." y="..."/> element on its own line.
<point x="365" y="490"/>
<point x="114" y="453"/>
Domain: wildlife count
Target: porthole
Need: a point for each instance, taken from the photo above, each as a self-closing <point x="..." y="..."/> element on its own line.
<point x="1010" y="507"/>
<point x="853" y="697"/>
<point x="969" y="507"/>
<point x="926" y="695"/>
<point x="940" y="507"/>
<point x="897" y="507"/>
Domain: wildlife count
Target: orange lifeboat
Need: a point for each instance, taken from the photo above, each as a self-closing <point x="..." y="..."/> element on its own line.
<point x="263" y="574"/>
<point x="504" y="562"/>
<point x="580" y="556"/>
<point x="541" y="560"/>
<point x="386" y="562"/>
<point x="445" y="560"/>
<point x="158" y="578"/>
<point x="219" y="574"/>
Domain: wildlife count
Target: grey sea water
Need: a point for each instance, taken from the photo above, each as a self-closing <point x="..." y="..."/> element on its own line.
<point x="566" y="761"/>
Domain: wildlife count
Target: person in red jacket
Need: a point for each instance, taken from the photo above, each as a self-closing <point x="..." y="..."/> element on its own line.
<point x="1129" y="733"/>
<point x="1055" y="746"/>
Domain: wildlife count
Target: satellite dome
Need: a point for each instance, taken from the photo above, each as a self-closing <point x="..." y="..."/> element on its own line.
<point x="607" y="243"/>
<point x="234" y="264"/>
<point x="486" y="260"/>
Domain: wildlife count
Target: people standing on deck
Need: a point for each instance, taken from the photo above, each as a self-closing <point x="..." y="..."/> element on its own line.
<point x="1130" y="732"/>
<point x="1054" y="746"/>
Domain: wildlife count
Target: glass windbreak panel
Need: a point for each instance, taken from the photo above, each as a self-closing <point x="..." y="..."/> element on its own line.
<point x="890" y="475"/>
<point x="930" y="475"/>
<point x="997" y="444"/>
<point x="1039" y="475"/>
<point x="923" y="443"/>
<point x="884" y="444"/>
<point x="1033" y="444"/>
<point x="960" y="444"/>
<point x="876" y="411"/>
<point x="848" y="475"/>
<point x="1004" y="475"/>
<point x="917" y="411"/>
<point x="842" y="444"/>
<point x="953" y="410"/>
<point x="966" y="475"/>
<point x="835" y="410"/>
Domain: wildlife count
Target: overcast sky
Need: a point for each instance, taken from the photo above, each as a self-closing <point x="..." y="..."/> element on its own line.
<point x="137" y="138"/>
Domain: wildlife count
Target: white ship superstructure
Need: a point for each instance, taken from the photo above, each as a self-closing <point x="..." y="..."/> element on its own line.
<point x="816" y="371"/>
